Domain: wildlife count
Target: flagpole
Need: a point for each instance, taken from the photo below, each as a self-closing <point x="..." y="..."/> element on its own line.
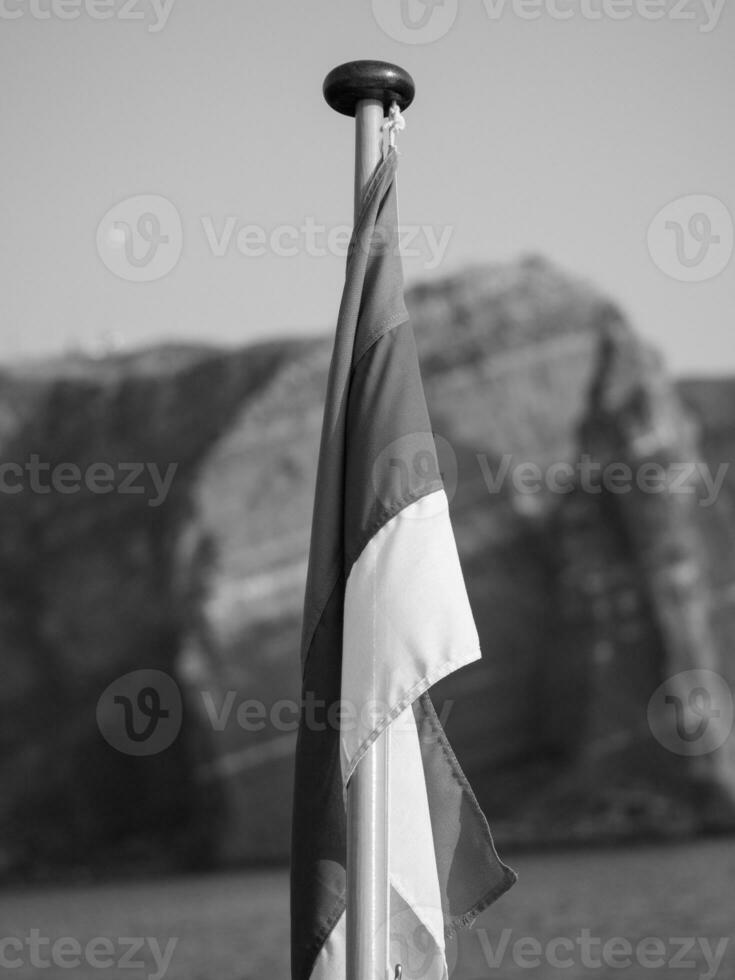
<point x="367" y="90"/>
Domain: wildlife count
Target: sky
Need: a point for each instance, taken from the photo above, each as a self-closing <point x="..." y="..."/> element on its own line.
<point x="170" y="170"/>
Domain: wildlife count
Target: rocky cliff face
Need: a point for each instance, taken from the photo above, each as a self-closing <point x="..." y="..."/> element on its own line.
<point x="587" y="598"/>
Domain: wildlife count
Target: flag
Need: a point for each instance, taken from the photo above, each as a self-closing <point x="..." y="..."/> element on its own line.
<point x="386" y="615"/>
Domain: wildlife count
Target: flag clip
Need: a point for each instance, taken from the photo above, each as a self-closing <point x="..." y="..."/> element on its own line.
<point x="399" y="968"/>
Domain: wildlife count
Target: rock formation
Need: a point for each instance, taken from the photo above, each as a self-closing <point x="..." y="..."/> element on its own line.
<point x="586" y="601"/>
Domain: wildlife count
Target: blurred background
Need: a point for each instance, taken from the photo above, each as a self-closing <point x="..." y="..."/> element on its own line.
<point x="177" y="200"/>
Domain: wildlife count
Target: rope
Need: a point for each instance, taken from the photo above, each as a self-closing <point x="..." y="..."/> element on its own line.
<point x="393" y="124"/>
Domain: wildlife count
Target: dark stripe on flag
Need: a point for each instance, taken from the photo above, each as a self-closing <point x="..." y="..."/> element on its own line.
<point x="372" y="303"/>
<point x="318" y="845"/>
<point x="461" y="832"/>
<point x="391" y="456"/>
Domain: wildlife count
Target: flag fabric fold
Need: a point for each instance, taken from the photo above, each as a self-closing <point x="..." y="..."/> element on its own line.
<point x="386" y="615"/>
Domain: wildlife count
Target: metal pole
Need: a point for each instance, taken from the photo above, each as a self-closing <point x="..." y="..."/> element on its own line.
<point x="365" y="90"/>
<point x="368" y="142"/>
<point x="368" y="883"/>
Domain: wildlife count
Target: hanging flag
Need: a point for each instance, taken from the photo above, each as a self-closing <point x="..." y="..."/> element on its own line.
<point x="386" y="615"/>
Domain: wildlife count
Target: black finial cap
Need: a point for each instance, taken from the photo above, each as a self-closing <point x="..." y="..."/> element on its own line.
<point x="347" y="84"/>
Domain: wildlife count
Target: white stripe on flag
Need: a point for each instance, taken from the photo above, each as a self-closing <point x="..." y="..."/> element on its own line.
<point x="407" y="621"/>
<point x="331" y="963"/>
<point x="416" y="934"/>
<point x="416" y="924"/>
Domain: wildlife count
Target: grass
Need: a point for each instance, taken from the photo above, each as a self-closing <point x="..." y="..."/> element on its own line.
<point x="234" y="926"/>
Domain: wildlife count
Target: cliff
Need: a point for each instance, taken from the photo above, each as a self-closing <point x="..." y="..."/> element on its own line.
<point x="587" y="597"/>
